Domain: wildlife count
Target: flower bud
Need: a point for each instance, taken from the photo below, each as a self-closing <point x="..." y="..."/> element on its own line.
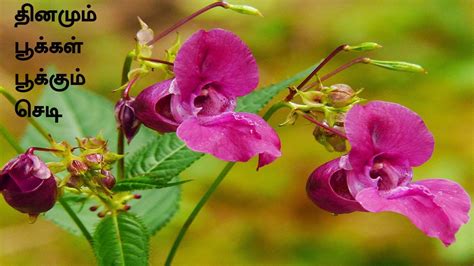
<point x="108" y="180"/>
<point x="94" y="161"/>
<point x="329" y="140"/>
<point x="145" y="34"/>
<point x="340" y="95"/>
<point x="366" y="46"/>
<point x="126" y="119"/>
<point x="244" y="9"/>
<point x="77" y="168"/>
<point x="397" y="65"/>
<point x="28" y="185"/>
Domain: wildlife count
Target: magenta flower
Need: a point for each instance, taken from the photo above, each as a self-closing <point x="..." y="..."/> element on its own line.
<point x="28" y="185"/>
<point x="387" y="140"/>
<point x="212" y="69"/>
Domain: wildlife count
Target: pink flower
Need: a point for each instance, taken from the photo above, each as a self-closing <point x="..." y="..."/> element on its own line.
<point x="387" y="140"/>
<point x="212" y="69"/>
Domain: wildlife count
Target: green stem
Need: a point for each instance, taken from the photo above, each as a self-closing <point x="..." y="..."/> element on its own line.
<point x="196" y="210"/>
<point x="209" y="192"/>
<point x="76" y="219"/>
<point x="127" y="64"/>
<point x="273" y="109"/>
<point x="10" y="139"/>
<point x="33" y="122"/>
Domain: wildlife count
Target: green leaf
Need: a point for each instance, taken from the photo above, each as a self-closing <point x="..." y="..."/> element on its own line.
<point x="121" y="240"/>
<point x="86" y="114"/>
<point x="143" y="183"/>
<point x="164" y="158"/>
<point x="255" y="101"/>
<point x="157" y="207"/>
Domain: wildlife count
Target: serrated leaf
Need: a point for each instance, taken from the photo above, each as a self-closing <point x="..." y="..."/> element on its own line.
<point x="164" y="158"/>
<point x="121" y="240"/>
<point x="86" y="114"/>
<point x="144" y="183"/>
<point x="157" y="207"/>
<point x="255" y="101"/>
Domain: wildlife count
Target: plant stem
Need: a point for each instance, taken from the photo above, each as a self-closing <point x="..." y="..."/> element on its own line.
<point x="127" y="64"/>
<point x="10" y="139"/>
<point x="186" y="19"/>
<point x="196" y="210"/>
<point x="76" y="219"/>
<point x="339" y="69"/>
<point x="323" y="63"/>
<point x="157" y="61"/>
<point x="209" y="192"/>
<point x="273" y="109"/>
<point x="33" y="122"/>
<point x="319" y="124"/>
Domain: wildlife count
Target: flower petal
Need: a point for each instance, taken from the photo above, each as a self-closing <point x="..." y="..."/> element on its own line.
<point x="218" y="58"/>
<point x="231" y="137"/>
<point x="327" y="188"/>
<point x="153" y="107"/>
<point x="452" y="198"/>
<point x="383" y="127"/>
<point x="427" y="209"/>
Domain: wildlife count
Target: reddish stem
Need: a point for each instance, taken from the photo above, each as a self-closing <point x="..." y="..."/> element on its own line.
<point x="323" y="63"/>
<point x="129" y="86"/>
<point x="332" y="130"/>
<point x="33" y="149"/>
<point x="157" y="61"/>
<point x="186" y="19"/>
<point x="340" y="69"/>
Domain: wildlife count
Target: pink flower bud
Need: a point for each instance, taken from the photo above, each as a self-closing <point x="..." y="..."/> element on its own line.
<point x="108" y="180"/>
<point x="126" y="120"/>
<point x="28" y="185"/>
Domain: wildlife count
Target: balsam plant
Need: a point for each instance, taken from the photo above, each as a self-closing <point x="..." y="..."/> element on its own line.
<point x="207" y="103"/>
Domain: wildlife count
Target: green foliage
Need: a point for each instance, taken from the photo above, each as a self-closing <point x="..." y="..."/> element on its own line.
<point x="164" y="158"/>
<point x="144" y="183"/>
<point x="121" y="240"/>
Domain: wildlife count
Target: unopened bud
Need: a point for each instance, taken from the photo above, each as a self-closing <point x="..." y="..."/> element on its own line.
<point x="94" y="160"/>
<point x="28" y="185"/>
<point x="93" y="208"/>
<point x="397" y="65"/>
<point x="243" y="9"/>
<point x="340" y="95"/>
<point x="101" y="214"/>
<point x="108" y="180"/>
<point x="126" y="119"/>
<point x="366" y="46"/>
<point x="329" y="140"/>
<point x="137" y="196"/>
<point x="77" y="168"/>
<point x="127" y="207"/>
<point x="145" y="34"/>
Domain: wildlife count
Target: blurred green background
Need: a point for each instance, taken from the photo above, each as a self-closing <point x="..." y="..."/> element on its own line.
<point x="265" y="217"/>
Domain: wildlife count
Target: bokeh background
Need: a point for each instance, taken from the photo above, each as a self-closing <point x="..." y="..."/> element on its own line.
<point x="264" y="217"/>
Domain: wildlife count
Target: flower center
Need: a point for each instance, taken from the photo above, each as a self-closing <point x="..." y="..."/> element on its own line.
<point x="390" y="174"/>
<point x="211" y="102"/>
